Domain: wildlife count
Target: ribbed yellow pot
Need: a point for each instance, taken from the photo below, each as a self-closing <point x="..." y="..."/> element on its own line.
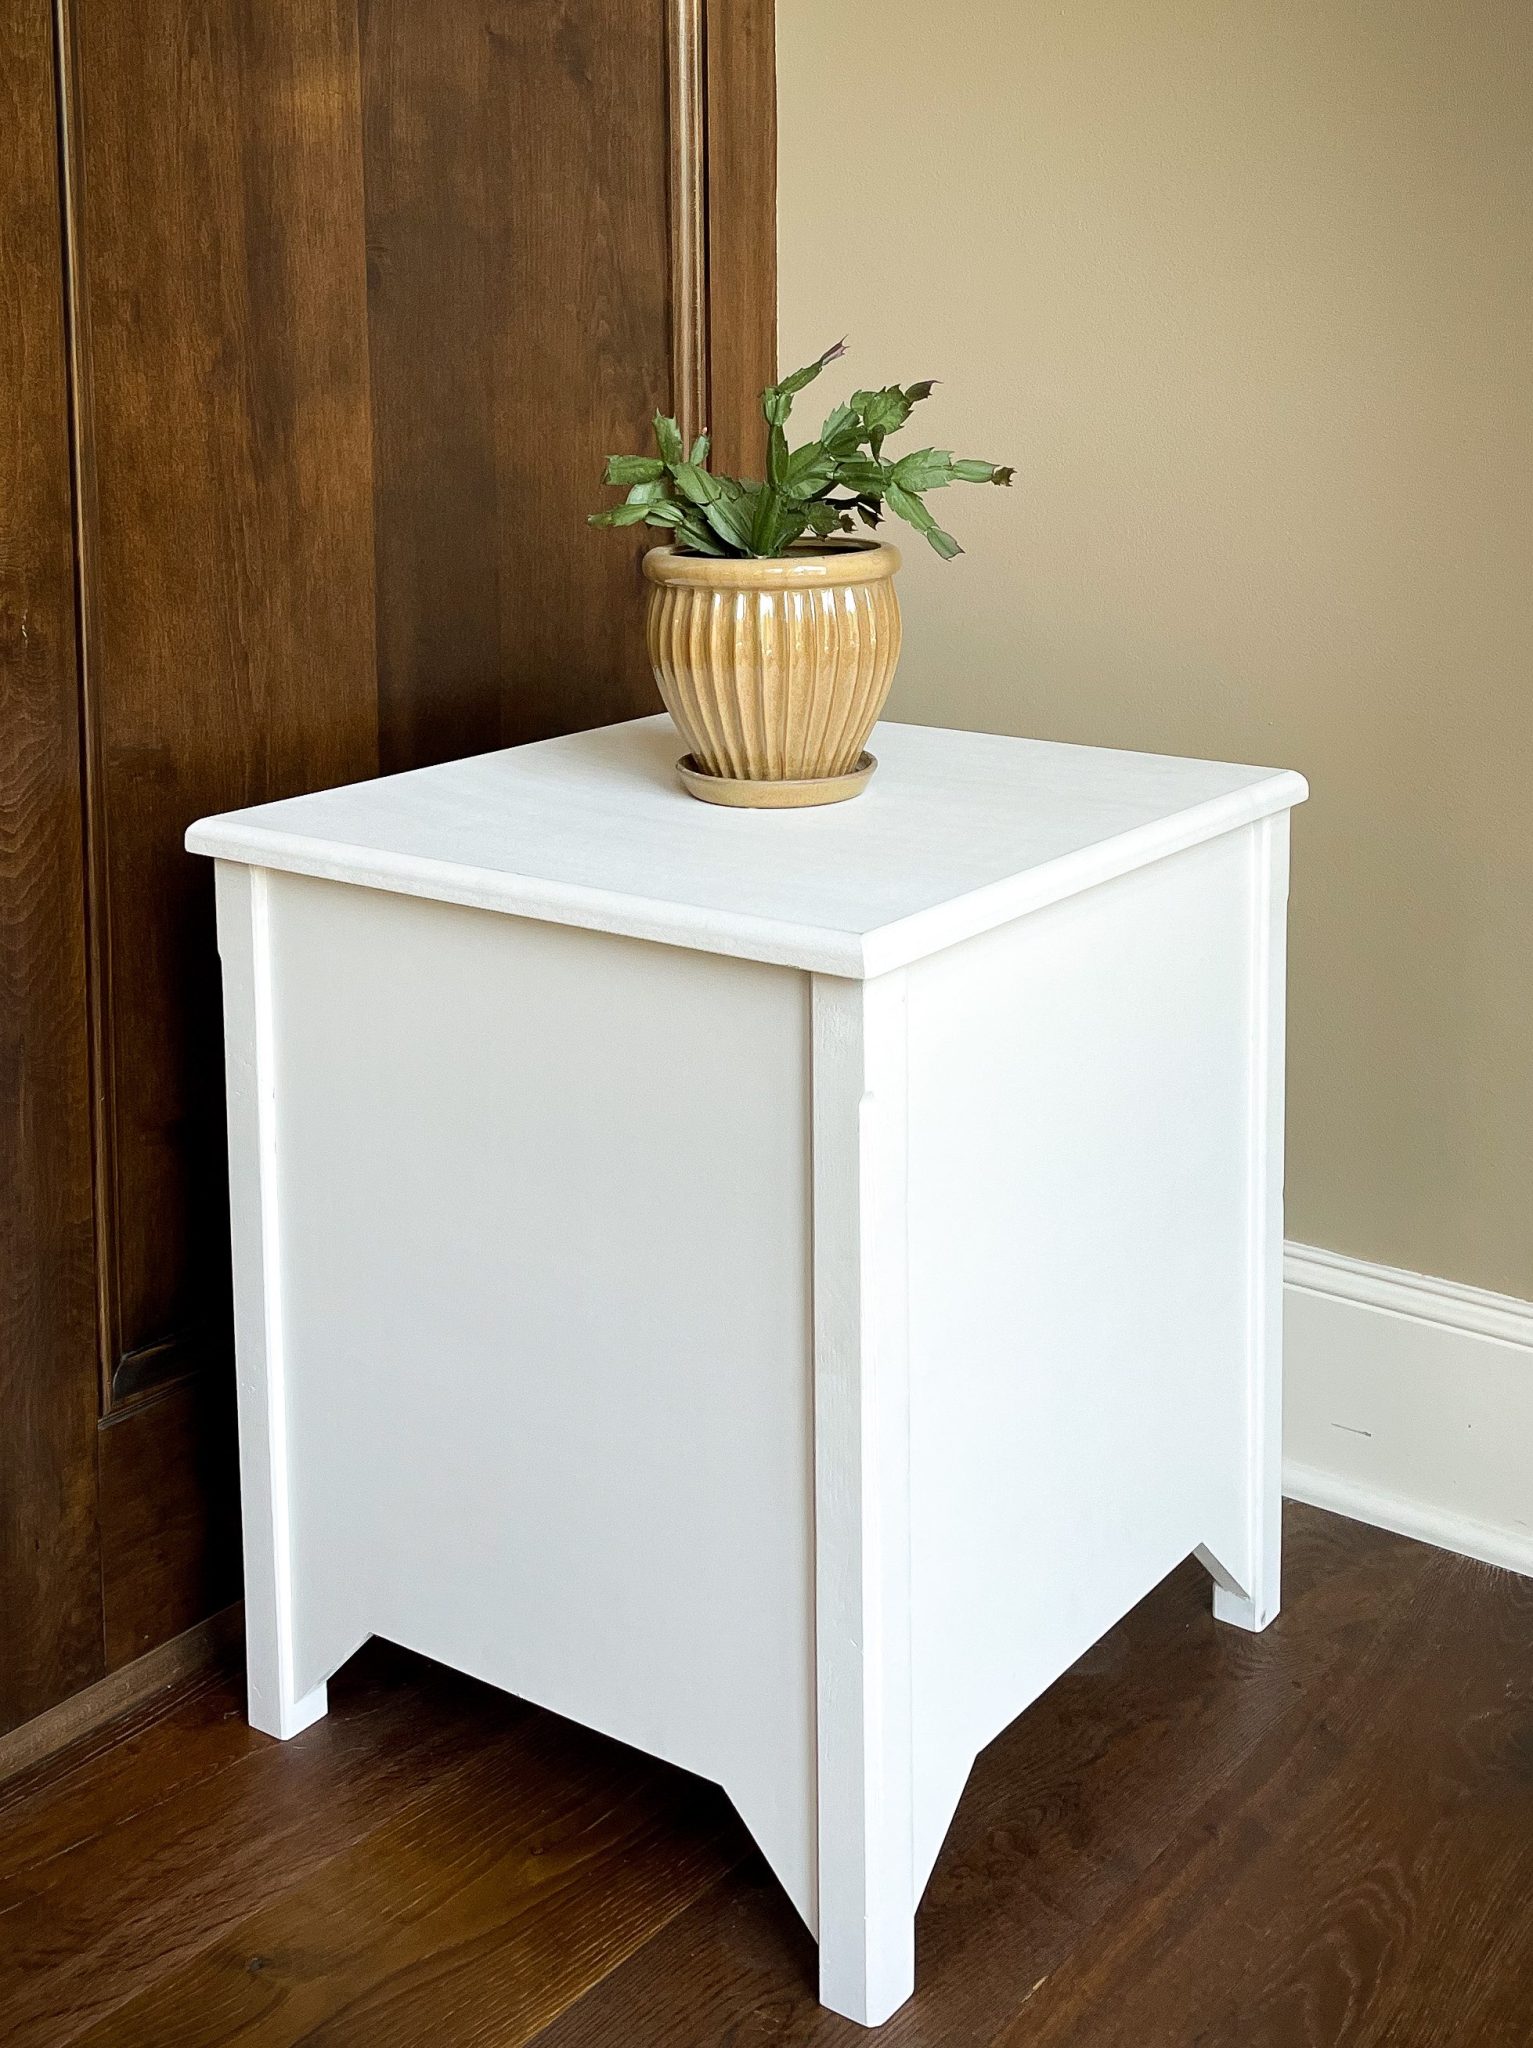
<point x="775" y="671"/>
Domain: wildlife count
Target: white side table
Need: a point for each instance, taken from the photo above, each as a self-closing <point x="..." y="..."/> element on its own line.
<point x="772" y="1286"/>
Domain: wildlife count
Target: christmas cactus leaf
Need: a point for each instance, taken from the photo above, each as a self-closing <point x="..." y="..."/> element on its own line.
<point x="777" y="399"/>
<point x="791" y="524"/>
<point x="982" y="473"/>
<point x="780" y="522"/>
<point x="764" y="515"/>
<point x="842" y="431"/>
<point x="633" y="469"/>
<point x="620" y="515"/>
<point x="718" y="502"/>
<point x="795" y="383"/>
<point x="730" y="519"/>
<point x="823" y="518"/>
<point x="818" y="489"/>
<point x="810" y="469"/>
<point x="883" y="412"/>
<point x="910" y="508"/>
<point x="926" y="469"/>
<point x="696" y="485"/>
<point x="699" y="539"/>
<point x="689" y="529"/>
<point x="861" y="474"/>
<point x="668" y="439"/>
<point x="777" y="458"/>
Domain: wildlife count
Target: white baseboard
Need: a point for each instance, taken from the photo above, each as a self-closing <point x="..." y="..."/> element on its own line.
<point x="1409" y="1404"/>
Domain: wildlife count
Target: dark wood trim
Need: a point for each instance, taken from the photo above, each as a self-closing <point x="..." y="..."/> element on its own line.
<point x="150" y="1368"/>
<point x="82" y="457"/>
<point x="741" y="156"/>
<point x="50" y="1580"/>
<point x="211" y="1645"/>
<point x="688" y="208"/>
<point x="722" y="64"/>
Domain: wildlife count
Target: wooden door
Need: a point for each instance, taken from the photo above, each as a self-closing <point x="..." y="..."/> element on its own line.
<point x="359" y="295"/>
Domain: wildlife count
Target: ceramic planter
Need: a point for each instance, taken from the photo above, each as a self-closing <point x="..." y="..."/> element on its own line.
<point x="775" y="671"/>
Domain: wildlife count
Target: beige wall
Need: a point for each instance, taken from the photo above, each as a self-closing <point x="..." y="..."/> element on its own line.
<point x="1246" y="292"/>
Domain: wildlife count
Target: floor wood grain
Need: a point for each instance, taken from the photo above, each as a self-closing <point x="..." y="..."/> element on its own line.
<point x="1316" y="1837"/>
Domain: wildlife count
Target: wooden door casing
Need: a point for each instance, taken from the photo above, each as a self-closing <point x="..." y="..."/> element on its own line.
<point x="50" y="1619"/>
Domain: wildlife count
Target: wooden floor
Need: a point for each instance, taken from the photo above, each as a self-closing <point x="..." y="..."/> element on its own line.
<point x="1322" y="1835"/>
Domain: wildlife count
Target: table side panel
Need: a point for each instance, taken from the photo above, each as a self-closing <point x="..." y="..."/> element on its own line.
<point x="1080" y="1145"/>
<point x="543" y="1217"/>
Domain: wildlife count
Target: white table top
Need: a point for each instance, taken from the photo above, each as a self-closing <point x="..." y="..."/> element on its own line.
<point x="957" y="833"/>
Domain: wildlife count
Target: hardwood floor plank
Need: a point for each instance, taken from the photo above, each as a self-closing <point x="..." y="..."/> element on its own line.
<point x="520" y="1880"/>
<point x="176" y="1740"/>
<point x="91" y="1722"/>
<point x="172" y="1740"/>
<point x="1326" y="1900"/>
<point x="107" y="1903"/>
<point x="1321" y="1837"/>
<point x="1064" y="1813"/>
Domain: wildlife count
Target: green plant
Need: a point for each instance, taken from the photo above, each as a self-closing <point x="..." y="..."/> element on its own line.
<point x="818" y="489"/>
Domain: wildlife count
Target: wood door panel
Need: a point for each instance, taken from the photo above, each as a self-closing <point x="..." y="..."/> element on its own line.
<point x="431" y="261"/>
<point x="520" y="319"/>
<point x="169" y="1494"/>
<point x="741" y="95"/>
<point x="50" y="1622"/>
<point x="228" y="534"/>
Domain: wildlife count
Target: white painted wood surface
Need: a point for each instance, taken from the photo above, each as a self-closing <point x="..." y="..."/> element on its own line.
<point x="1087" y="1263"/>
<point x="542" y="1255"/>
<point x="1409" y="1404"/>
<point x="1248" y="1575"/>
<point x="788" y="1371"/>
<point x="957" y="833"/>
<point x="278" y="1703"/>
<point x="868" y="1892"/>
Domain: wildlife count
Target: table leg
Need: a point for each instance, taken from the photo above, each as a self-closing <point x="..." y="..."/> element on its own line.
<point x="862" y="1499"/>
<point x="279" y="1702"/>
<point x="1246" y="1586"/>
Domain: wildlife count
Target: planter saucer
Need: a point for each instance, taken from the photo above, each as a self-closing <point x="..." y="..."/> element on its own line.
<point x="774" y="796"/>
